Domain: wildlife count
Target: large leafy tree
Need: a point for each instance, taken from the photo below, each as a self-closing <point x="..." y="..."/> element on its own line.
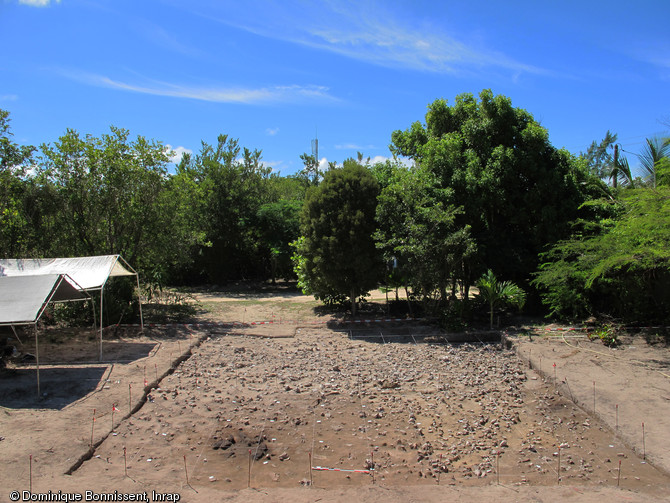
<point x="106" y="195"/>
<point x="417" y="232"/>
<point x="617" y="266"/>
<point x="15" y="190"/>
<point x="225" y="185"/>
<point x="337" y="255"/>
<point x="517" y="192"/>
<point x="279" y="226"/>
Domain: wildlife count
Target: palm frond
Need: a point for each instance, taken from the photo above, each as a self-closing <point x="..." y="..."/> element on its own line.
<point x="653" y="152"/>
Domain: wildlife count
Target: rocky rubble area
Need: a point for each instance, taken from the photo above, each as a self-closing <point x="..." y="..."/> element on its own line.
<point x="251" y="411"/>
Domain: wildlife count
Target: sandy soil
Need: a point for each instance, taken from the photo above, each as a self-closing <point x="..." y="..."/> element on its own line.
<point x="240" y="411"/>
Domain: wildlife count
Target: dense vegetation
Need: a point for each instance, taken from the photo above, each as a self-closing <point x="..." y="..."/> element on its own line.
<point x="476" y="195"/>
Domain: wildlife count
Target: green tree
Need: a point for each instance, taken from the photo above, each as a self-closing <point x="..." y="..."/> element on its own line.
<point x="280" y="225"/>
<point x="105" y="196"/>
<point x="417" y="229"/>
<point x="311" y="171"/>
<point x="13" y="157"/>
<point x="15" y="191"/>
<point x="517" y="192"/>
<point x="499" y="293"/>
<point x="225" y="185"/>
<point x="338" y="254"/>
<point x="619" y="267"/>
<point x="599" y="156"/>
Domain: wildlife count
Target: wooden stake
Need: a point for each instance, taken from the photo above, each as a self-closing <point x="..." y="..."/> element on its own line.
<point x="372" y="456"/>
<point x="644" y="447"/>
<point x="31" y="473"/>
<point x="618" y="478"/>
<point x="130" y="401"/>
<point x="594" y="397"/>
<point x="555" y="377"/>
<point x="186" y="472"/>
<point x="311" y="481"/>
<point x="249" y="474"/>
<point x="617" y="417"/>
<point x="498" y="466"/>
<point x="92" y="428"/>
<point x="125" y="461"/>
<point x="439" y="468"/>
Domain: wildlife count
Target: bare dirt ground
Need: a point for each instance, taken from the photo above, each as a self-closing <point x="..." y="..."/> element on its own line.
<point x="269" y="384"/>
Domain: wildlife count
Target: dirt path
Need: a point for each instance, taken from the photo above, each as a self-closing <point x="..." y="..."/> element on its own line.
<point x="227" y="406"/>
<point x="623" y="387"/>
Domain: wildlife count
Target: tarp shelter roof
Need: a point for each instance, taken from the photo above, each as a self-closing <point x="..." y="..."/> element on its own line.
<point x="23" y="298"/>
<point x="90" y="273"/>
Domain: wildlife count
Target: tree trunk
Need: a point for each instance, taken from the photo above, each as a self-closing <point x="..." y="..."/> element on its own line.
<point x="443" y="296"/>
<point x="353" y="302"/>
<point x="409" y="304"/>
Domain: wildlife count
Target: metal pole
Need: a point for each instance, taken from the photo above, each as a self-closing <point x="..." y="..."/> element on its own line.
<point x="101" y="318"/>
<point x="139" y="300"/>
<point x="37" y="362"/>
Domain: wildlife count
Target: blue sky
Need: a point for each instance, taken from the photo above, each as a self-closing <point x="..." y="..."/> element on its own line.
<point x="275" y="74"/>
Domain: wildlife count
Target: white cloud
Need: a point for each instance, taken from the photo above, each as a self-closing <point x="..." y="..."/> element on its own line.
<point x="353" y="146"/>
<point x="276" y="166"/>
<point x="272" y="131"/>
<point x="37" y="3"/>
<point x="161" y="37"/>
<point x="177" y="153"/>
<point x="379" y="158"/>
<point x="369" y="31"/>
<point x="240" y="95"/>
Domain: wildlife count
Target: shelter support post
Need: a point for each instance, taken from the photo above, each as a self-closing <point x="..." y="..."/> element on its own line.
<point x="101" y="318"/>
<point x="37" y="364"/>
<point x="139" y="300"/>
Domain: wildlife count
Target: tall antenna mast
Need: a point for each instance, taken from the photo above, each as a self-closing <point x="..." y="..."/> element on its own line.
<point x="315" y="154"/>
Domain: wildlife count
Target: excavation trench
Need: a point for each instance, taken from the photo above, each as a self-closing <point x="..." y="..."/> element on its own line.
<point x="140" y="403"/>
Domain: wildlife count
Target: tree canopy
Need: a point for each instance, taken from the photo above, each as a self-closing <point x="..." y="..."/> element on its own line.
<point x="516" y="191"/>
<point x="338" y="252"/>
<point x="485" y="196"/>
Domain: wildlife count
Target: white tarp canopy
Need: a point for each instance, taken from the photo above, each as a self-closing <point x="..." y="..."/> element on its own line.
<point x="85" y="273"/>
<point x="89" y="273"/>
<point x="24" y="298"/>
<point x="28" y="285"/>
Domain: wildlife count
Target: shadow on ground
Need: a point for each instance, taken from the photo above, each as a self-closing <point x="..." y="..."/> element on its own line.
<point x="59" y="386"/>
